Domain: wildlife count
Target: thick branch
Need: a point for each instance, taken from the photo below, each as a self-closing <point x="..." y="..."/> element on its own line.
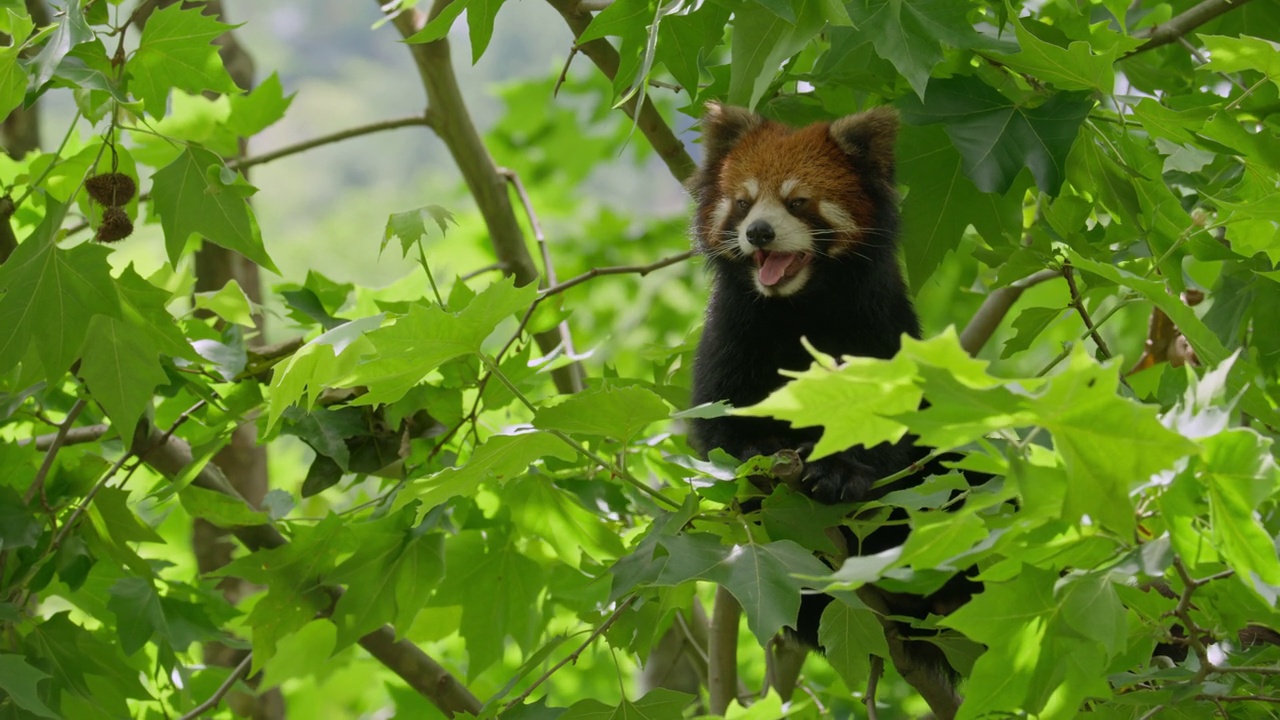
<point x="170" y="455"/>
<point x="932" y="686"/>
<point x="448" y="116"/>
<point x="722" y="670"/>
<point x="649" y="120"/>
<point x="983" y="324"/>
<point x="1178" y="26"/>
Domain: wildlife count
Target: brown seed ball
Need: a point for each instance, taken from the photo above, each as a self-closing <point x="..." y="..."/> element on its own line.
<point x="115" y="226"/>
<point x="111" y="189"/>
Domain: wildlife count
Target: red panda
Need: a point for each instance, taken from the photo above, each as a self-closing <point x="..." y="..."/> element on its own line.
<point x="799" y="229"/>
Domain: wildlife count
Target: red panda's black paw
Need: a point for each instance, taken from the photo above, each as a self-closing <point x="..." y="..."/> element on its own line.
<point x="835" y="479"/>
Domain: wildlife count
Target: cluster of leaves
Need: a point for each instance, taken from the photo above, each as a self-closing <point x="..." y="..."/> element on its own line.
<point x="456" y="496"/>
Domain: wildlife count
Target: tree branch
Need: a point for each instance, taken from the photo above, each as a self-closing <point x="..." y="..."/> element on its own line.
<point x="649" y="120"/>
<point x="347" y="134"/>
<point x="1078" y="302"/>
<point x="37" y="485"/>
<point x="240" y="671"/>
<point x="170" y="456"/>
<point x="573" y="656"/>
<point x="932" y="686"/>
<point x="448" y="116"/>
<point x="1179" y="25"/>
<point x="722" y="670"/>
<point x="983" y="324"/>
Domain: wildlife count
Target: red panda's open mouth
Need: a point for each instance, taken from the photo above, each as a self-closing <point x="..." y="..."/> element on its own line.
<point x="774" y="266"/>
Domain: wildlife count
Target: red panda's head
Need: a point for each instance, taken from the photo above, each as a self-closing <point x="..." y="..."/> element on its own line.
<point x="779" y="203"/>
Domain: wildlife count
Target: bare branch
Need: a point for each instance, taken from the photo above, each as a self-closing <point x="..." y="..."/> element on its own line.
<point x="573" y="656"/>
<point x="240" y="671"/>
<point x="648" y="119"/>
<point x="877" y="669"/>
<point x="983" y="324"/>
<point x="74" y="436"/>
<point x="1176" y="27"/>
<point x="932" y="686"/>
<point x="339" y="136"/>
<point x="37" y="485"/>
<point x="722" y="670"/>
<point x="1078" y="302"/>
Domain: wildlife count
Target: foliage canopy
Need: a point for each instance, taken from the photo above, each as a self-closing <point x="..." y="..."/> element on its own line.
<point x="481" y="502"/>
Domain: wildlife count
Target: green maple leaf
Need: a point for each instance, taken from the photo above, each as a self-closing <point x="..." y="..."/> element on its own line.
<point x="616" y="412"/>
<point x="853" y="403"/>
<point x="192" y="197"/>
<point x="910" y="33"/>
<point x="500" y="458"/>
<point x="998" y="137"/>
<point x="659" y="704"/>
<point x="176" y="51"/>
<point x="1108" y="444"/>
<point x="122" y="368"/>
<point x="41" y="282"/>
<point x="19" y="680"/>
<point x="13" y="80"/>
<point x="849" y="636"/>
<point x="498" y="589"/>
<point x="427" y="336"/>
<point x="1072" y="68"/>
<point x="943" y="202"/>
<point x="761" y="42"/>
<point x="759" y="576"/>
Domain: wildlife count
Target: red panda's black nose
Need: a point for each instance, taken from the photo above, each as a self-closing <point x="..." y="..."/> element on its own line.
<point x="760" y="233"/>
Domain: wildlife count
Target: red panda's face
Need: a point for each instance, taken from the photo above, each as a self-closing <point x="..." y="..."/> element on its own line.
<point x="778" y="202"/>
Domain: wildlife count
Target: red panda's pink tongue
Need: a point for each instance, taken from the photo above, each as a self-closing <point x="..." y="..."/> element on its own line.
<point x="773" y="266"/>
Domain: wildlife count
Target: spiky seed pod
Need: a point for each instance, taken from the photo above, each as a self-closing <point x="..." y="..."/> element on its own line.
<point x="111" y="189"/>
<point x="115" y="226"/>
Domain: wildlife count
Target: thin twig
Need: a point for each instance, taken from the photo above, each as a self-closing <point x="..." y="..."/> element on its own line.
<point x="347" y="134"/>
<point x="37" y="486"/>
<point x="75" y="436"/>
<point x="1183" y="23"/>
<point x="573" y="656"/>
<point x="491" y="267"/>
<point x="877" y="669"/>
<point x="240" y="671"/>
<point x="1078" y="302"/>
<point x="548" y="267"/>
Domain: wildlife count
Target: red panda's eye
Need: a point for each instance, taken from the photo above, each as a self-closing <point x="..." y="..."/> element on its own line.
<point x="796" y="203"/>
<point x="744" y="204"/>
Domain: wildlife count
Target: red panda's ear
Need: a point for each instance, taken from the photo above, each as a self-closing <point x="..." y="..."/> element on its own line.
<point x="868" y="138"/>
<point x="722" y="127"/>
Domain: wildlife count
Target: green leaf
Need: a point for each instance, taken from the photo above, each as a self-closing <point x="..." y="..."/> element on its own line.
<point x="500" y="458"/>
<point x="1241" y="475"/>
<point x="759" y="576"/>
<point x="480" y="17"/>
<point x="1091" y="607"/>
<point x="849" y="637"/>
<point x="192" y="198"/>
<point x="853" y="404"/>
<point x="910" y="33"/>
<point x="67" y="34"/>
<point x="230" y="303"/>
<point x="1072" y="68"/>
<point x="1109" y="444"/>
<point x="13" y="80"/>
<point x="326" y="359"/>
<point x="19" y="680"/>
<point x="1027" y="326"/>
<point x="139" y="616"/>
<point x="684" y="40"/>
<point x="42" y="281"/>
<point x="1233" y="54"/>
<point x="111" y="514"/>
<point x="219" y="509"/>
<point x="625" y="19"/>
<point x="761" y="42"/>
<point x="259" y="109"/>
<point x="411" y="227"/>
<point x="176" y="51"/>
<point x="419" y="569"/>
<point x="943" y="202"/>
<point x="998" y="137"/>
<point x="610" y="411"/>
<point x="18" y="527"/>
<point x="545" y="511"/>
<point x="659" y="704"/>
<point x="121" y="367"/>
<point x="498" y="589"/>
<point x="427" y="336"/>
